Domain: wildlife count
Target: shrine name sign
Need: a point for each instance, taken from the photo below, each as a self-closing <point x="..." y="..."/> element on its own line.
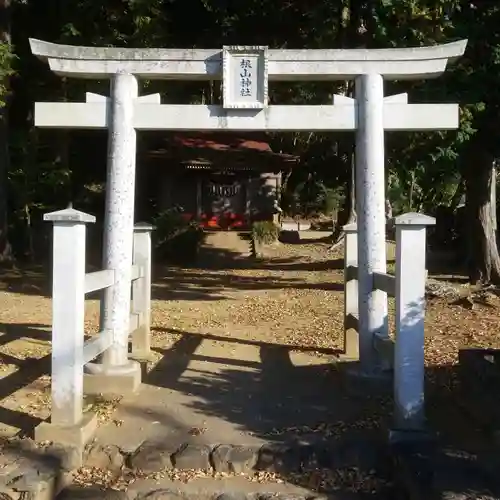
<point x="245" y="77"/>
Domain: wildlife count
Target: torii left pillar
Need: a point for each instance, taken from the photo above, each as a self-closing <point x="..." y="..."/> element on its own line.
<point x="370" y="201"/>
<point x="117" y="374"/>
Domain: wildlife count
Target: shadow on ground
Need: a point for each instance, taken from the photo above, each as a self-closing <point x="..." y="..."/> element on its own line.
<point x="282" y="403"/>
<point x="278" y="387"/>
<point x="194" y="283"/>
<point x="181" y="284"/>
<point x="27" y="371"/>
<point x="26" y="280"/>
<point x="277" y="400"/>
<point x="216" y="273"/>
<point x="318" y="403"/>
<point x="270" y="398"/>
<point x="35" y="280"/>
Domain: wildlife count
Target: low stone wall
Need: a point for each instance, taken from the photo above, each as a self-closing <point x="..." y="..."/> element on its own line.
<point x="171" y="494"/>
<point x="282" y="458"/>
<point x="422" y="471"/>
<point x="31" y="472"/>
<point x="479" y="375"/>
<point x="35" y="472"/>
<point x="38" y="472"/>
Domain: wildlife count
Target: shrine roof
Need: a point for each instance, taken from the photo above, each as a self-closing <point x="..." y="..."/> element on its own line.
<point x="213" y="148"/>
<point x="221" y="142"/>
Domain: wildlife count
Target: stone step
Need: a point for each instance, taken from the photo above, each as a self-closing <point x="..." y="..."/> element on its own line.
<point x="206" y="488"/>
<point x="300" y="470"/>
<point x="479" y="372"/>
<point x="417" y="470"/>
<point x="423" y="472"/>
<point x="364" y="450"/>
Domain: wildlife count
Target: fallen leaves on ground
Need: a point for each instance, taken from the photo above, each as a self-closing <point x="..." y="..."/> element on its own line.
<point x="104" y="408"/>
<point x="281" y="300"/>
<point x="293" y="296"/>
<point x="320" y="480"/>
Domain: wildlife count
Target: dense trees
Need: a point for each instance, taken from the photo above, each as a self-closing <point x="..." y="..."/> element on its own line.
<point x="40" y="171"/>
<point x="5" y="72"/>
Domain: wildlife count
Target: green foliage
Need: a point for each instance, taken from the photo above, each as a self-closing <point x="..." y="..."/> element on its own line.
<point x="333" y="200"/>
<point x="314" y="197"/>
<point x="176" y="239"/>
<point x="7" y="59"/>
<point x="265" y="232"/>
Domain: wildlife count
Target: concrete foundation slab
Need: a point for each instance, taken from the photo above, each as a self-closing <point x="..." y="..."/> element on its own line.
<point x="77" y="435"/>
<point x="141" y="349"/>
<point x="208" y="488"/>
<point x="120" y="381"/>
<point x="357" y="381"/>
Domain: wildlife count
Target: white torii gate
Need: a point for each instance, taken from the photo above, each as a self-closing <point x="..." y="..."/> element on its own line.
<point x="369" y="114"/>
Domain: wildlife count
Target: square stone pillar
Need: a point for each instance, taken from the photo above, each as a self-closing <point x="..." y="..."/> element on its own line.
<point x="68" y="424"/>
<point x="409" y="365"/>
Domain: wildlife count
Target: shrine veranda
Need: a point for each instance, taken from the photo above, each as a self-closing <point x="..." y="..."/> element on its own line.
<point x="246" y="72"/>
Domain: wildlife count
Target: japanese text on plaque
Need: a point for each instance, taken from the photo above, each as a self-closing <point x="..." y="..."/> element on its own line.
<point x="245" y="78"/>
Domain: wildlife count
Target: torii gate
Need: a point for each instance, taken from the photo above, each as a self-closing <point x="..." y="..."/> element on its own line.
<point x="245" y="72"/>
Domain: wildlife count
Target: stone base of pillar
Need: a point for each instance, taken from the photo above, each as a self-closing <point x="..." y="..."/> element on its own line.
<point x="351" y="345"/>
<point x="412" y="436"/>
<point x="360" y="381"/>
<point x="141" y="349"/>
<point x="142" y="356"/>
<point x="112" y="381"/>
<point x="76" y="436"/>
<point x="384" y="348"/>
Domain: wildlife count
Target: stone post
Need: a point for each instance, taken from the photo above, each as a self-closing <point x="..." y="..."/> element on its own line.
<point x="370" y="200"/>
<point x="67" y="424"/>
<point x="351" y="337"/>
<point x="141" y="291"/>
<point x="410" y="311"/>
<point x="118" y="375"/>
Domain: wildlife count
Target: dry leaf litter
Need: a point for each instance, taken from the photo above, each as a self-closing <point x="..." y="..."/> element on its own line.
<point x="295" y="298"/>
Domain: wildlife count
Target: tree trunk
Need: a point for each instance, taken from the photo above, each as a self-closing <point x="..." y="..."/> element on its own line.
<point x="348" y="214"/>
<point x="351" y="192"/>
<point x="412" y="189"/>
<point x="5" y="247"/>
<point x="457" y="196"/>
<point x="484" y="260"/>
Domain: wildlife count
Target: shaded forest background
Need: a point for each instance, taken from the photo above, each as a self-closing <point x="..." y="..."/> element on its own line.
<point x="42" y="171"/>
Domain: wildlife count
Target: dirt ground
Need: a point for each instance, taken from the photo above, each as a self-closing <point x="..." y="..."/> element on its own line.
<point x="292" y="297"/>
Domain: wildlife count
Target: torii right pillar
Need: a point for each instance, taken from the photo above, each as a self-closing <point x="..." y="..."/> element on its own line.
<point x="371" y="121"/>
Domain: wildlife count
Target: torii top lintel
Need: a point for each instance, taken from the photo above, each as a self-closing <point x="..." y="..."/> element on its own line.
<point x="206" y="64"/>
